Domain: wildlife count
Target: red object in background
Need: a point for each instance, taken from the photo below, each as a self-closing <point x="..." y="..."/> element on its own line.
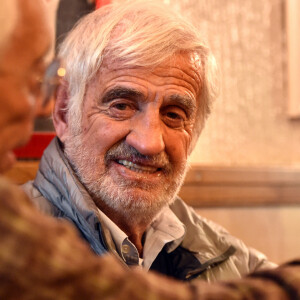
<point x="100" y="3"/>
<point x="36" y="146"/>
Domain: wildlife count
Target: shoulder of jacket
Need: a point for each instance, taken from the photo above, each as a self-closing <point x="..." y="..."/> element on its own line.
<point x="187" y="214"/>
<point x="30" y="190"/>
<point x="212" y="239"/>
<point x="42" y="204"/>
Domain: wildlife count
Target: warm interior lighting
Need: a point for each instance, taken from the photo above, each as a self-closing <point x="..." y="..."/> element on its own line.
<point x="61" y="72"/>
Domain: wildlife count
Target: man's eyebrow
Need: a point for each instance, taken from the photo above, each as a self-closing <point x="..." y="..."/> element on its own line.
<point x="185" y="101"/>
<point x="121" y="92"/>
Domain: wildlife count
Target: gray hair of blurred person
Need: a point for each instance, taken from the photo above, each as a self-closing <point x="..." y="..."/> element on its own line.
<point x="134" y="33"/>
<point x="8" y="17"/>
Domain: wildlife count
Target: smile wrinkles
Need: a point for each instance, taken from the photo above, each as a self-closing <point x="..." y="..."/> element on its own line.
<point x="137" y="167"/>
<point x="127" y="156"/>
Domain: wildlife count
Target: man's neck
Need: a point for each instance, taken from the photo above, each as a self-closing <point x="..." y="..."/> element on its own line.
<point x="135" y="235"/>
<point x="133" y="227"/>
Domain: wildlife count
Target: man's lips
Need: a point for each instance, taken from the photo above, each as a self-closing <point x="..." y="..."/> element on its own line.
<point x="139" y="168"/>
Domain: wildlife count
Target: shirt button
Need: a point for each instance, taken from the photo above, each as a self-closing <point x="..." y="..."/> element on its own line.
<point x="125" y="249"/>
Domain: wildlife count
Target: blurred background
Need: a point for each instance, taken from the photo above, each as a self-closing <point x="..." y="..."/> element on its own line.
<point x="250" y="124"/>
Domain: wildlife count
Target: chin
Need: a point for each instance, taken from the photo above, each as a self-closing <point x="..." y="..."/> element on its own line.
<point x="136" y="201"/>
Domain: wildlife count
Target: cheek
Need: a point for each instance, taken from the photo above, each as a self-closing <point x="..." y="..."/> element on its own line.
<point x="16" y="102"/>
<point x="177" y="145"/>
<point x="103" y="134"/>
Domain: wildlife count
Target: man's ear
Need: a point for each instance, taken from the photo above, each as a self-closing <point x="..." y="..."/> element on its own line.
<point x="60" y="111"/>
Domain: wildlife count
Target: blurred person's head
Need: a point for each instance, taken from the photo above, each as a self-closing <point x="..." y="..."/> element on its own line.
<point x="8" y="16"/>
<point x="139" y="85"/>
<point x="26" y="39"/>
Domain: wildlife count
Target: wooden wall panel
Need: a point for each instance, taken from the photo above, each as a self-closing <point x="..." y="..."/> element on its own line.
<point x="218" y="186"/>
<point x="240" y="186"/>
<point x="23" y="171"/>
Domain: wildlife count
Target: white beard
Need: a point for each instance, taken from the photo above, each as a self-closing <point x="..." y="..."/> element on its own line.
<point x="134" y="202"/>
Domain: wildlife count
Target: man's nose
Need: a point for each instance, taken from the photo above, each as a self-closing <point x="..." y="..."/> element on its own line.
<point x="146" y="134"/>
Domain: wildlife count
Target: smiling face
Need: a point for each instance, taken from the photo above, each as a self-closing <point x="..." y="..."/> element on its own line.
<point x="21" y="63"/>
<point x="136" y="135"/>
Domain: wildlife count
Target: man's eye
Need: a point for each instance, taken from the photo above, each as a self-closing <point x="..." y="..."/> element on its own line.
<point x="173" y="115"/>
<point x="121" y="106"/>
<point x="35" y="86"/>
<point x="174" y="118"/>
<point x="122" y="110"/>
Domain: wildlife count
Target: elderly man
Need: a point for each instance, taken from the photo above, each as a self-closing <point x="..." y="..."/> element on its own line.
<point x="41" y="258"/>
<point x="139" y="84"/>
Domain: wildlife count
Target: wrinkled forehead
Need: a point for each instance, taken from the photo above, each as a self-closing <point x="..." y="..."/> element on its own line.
<point x="181" y="65"/>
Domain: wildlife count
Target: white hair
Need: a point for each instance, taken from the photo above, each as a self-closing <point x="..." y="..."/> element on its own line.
<point x="134" y="33"/>
<point x="8" y="17"/>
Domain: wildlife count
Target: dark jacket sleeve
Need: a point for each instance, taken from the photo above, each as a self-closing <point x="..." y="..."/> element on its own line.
<point x="281" y="283"/>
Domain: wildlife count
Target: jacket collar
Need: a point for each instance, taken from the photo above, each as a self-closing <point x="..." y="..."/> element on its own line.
<point x="57" y="182"/>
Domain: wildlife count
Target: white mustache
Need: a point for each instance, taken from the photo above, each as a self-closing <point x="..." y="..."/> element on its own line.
<point x="125" y="152"/>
